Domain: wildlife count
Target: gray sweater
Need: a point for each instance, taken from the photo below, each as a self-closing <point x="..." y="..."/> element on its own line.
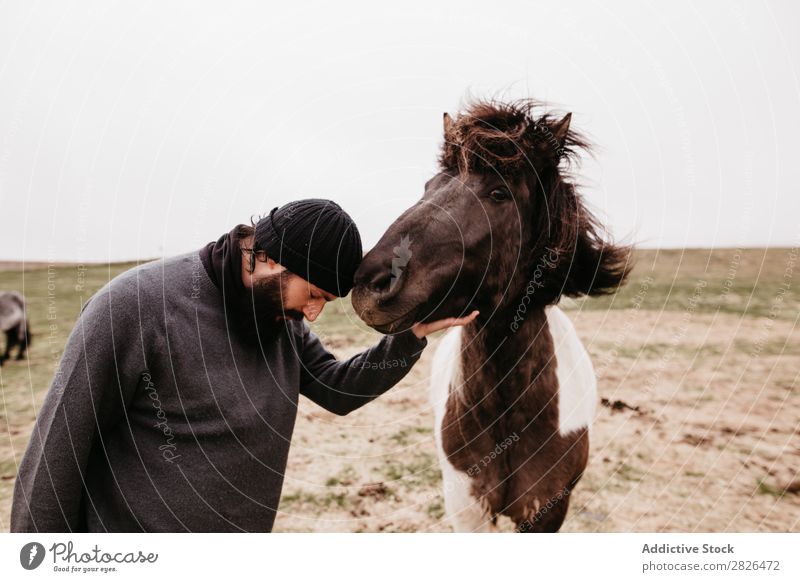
<point x="158" y="419"/>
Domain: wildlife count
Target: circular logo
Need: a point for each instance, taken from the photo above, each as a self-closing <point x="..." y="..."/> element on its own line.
<point x="31" y="555"/>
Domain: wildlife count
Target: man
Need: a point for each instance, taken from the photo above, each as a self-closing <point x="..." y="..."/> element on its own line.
<point x="175" y="400"/>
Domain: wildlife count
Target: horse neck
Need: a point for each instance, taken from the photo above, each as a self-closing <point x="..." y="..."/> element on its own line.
<point x="501" y="332"/>
<point x="501" y="365"/>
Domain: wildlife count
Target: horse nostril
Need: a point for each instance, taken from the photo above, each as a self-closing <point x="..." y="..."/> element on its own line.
<point x="381" y="281"/>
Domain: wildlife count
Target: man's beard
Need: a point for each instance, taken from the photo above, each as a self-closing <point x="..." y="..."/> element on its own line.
<point x="260" y="311"/>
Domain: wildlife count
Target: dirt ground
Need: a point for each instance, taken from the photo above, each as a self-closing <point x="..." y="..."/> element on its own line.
<point x="711" y="446"/>
<point x="697" y="359"/>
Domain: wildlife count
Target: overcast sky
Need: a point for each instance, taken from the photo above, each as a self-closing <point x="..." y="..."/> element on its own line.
<point x="141" y="129"/>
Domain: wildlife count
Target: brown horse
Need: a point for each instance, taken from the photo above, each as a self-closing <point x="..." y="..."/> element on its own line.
<point x="502" y="229"/>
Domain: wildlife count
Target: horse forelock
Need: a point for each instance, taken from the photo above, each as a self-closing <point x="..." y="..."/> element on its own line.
<point x="511" y="139"/>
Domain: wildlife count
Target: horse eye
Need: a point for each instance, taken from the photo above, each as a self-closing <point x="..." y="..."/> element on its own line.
<point x="500" y="194"/>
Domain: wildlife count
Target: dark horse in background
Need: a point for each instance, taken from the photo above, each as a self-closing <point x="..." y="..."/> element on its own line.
<point x="14" y="323"/>
<point x="501" y="229"/>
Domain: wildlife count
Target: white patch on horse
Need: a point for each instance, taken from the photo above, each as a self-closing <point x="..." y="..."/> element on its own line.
<point x="465" y="512"/>
<point x="577" y="383"/>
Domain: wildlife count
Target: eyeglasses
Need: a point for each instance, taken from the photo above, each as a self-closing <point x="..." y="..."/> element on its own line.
<point x="256" y="255"/>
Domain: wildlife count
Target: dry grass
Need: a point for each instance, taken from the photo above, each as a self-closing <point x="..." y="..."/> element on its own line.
<point x="704" y="343"/>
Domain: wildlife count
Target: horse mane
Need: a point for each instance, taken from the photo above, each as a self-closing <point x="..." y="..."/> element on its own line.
<point x="517" y="141"/>
<point x="509" y="138"/>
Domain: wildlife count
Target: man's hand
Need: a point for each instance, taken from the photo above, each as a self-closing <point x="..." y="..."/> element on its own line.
<point x="422" y="329"/>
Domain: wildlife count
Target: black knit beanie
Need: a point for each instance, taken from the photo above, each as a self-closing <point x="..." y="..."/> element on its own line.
<point x="314" y="239"/>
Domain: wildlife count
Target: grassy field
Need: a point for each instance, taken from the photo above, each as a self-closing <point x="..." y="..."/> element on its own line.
<point x="702" y="346"/>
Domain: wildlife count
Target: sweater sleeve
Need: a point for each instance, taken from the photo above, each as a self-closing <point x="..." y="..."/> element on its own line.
<point x="87" y="395"/>
<point x="344" y="386"/>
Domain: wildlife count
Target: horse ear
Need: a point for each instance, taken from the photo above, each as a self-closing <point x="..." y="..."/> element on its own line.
<point x="561" y="128"/>
<point x="552" y="144"/>
<point x="448" y="122"/>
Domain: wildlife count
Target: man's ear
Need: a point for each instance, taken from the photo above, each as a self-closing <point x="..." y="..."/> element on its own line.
<point x="275" y="267"/>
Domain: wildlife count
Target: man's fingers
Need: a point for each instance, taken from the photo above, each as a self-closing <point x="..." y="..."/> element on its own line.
<point x="464" y="320"/>
<point x="423" y="329"/>
<point x="455" y="321"/>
